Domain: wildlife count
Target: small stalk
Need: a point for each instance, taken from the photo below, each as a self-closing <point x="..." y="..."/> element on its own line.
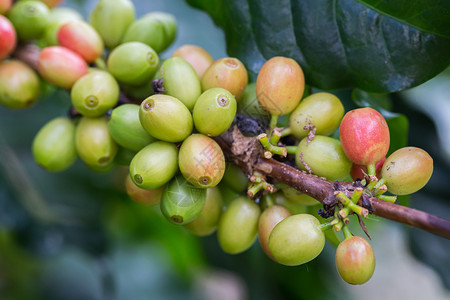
<point x="381" y="190"/>
<point x="387" y="198"/>
<point x="286" y="132"/>
<point x="379" y="184"/>
<point x="273" y="122"/>
<point x="356" y="195"/>
<point x="291" y="149"/>
<point x="346" y="232"/>
<point x="371" y="170"/>
<point x="275" y="138"/>
<point x="254" y="189"/>
<point x="373" y="182"/>
<point x="271" y="148"/>
<point x="343" y="213"/>
<point x="348" y="203"/>
<point x="325" y="226"/>
<point x="100" y="63"/>
<point x="338" y="226"/>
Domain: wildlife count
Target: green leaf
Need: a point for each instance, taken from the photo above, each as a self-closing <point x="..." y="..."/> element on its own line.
<point x="432" y="16"/>
<point x="339" y="44"/>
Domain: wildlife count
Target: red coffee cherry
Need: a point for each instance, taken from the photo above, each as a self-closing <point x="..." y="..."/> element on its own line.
<point x="8" y="37"/>
<point x="364" y="136"/>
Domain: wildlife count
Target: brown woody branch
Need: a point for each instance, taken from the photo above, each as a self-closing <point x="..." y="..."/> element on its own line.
<point x="246" y="153"/>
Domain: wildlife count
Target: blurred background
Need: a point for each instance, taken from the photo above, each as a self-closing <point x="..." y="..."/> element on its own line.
<point x="76" y="234"/>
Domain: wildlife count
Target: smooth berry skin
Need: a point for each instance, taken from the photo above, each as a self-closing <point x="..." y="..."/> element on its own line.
<point x="5" y="6"/>
<point x="61" y="66"/>
<point x="355" y="260"/>
<point x="81" y="38"/>
<point x="407" y="170"/>
<point x="364" y="136"/>
<point x="280" y="85"/>
<point x="267" y="221"/>
<point x="198" y="57"/>
<point x="8" y="38"/>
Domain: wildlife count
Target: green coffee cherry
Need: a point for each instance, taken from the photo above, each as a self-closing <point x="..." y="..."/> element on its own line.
<point x="238" y="225"/>
<point x="323" y="110"/>
<point x="126" y="129"/>
<point x="249" y="105"/>
<point x="124" y="156"/>
<point x="133" y="63"/>
<point x="54" y="145"/>
<point x="94" y="144"/>
<point x="147" y="197"/>
<point x="180" y="81"/>
<point x="325" y="157"/>
<point x="201" y="161"/>
<point x="296" y="240"/>
<point x="58" y="17"/>
<point x="111" y="18"/>
<point x="29" y="19"/>
<point x="235" y="178"/>
<point x="138" y="92"/>
<point x="298" y="197"/>
<point x="208" y="219"/>
<point x="19" y="84"/>
<point x="155" y="30"/>
<point x="166" y="118"/>
<point x="170" y="25"/>
<point x="95" y="93"/>
<point x="154" y="165"/>
<point x="267" y="221"/>
<point x="182" y="202"/>
<point x="214" y="111"/>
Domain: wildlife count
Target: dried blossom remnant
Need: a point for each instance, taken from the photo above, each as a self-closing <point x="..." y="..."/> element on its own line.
<point x="158" y="86"/>
<point x="311" y="131"/>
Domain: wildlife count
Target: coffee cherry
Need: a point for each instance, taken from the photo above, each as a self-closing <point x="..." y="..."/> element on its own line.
<point x="19" y="84"/>
<point x="29" y="19"/>
<point x="111" y="18"/>
<point x="138" y="92"/>
<point x="267" y="221"/>
<point x="238" y="225"/>
<point x="180" y="81"/>
<point x="182" y="202"/>
<point x="8" y="40"/>
<point x="325" y="157"/>
<point x="95" y="93"/>
<point x="61" y="66"/>
<point x="126" y="129"/>
<point x="152" y="29"/>
<point x="323" y="110"/>
<point x="58" y="17"/>
<point x="355" y="260"/>
<point x="133" y="63"/>
<point x="294" y="208"/>
<point x="124" y="156"/>
<point x="201" y="161"/>
<point x="407" y="170"/>
<point x="81" y="38"/>
<point x="248" y="105"/>
<point x="143" y="196"/>
<point x="5" y="6"/>
<point x="214" y="111"/>
<point x="357" y="170"/>
<point x="364" y="136"/>
<point x="235" y="178"/>
<point x="166" y="118"/>
<point x="228" y="73"/>
<point x="198" y="57"/>
<point x="298" y="197"/>
<point x="208" y="219"/>
<point x="94" y="144"/>
<point x="154" y="165"/>
<point x="296" y="240"/>
<point x="280" y="85"/>
<point x="54" y="145"/>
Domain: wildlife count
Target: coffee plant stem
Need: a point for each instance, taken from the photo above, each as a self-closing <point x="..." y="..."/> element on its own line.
<point x="246" y="153"/>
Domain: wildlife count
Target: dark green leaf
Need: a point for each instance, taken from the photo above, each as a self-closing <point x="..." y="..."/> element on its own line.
<point x="338" y="44"/>
<point x="426" y="15"/>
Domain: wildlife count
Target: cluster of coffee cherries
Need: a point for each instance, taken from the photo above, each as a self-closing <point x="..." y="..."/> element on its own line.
<point x="164" y="131"/>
